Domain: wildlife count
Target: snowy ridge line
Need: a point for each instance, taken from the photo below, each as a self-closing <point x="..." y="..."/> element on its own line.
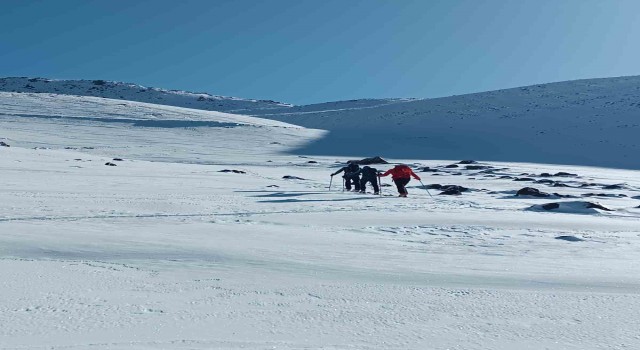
<point x="68" y="106"/>
<point x="133" y="92"/>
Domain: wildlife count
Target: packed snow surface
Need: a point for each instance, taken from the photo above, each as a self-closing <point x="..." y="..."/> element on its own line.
<point x="165" y="250"/>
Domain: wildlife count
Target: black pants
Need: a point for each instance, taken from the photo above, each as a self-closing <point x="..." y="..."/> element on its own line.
<point x="354" y="180"/>
<point x="400" y="184"/>
<point x="374" y="183"/>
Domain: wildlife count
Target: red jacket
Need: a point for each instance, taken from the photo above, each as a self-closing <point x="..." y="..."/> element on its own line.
<point x="401" y="172"/>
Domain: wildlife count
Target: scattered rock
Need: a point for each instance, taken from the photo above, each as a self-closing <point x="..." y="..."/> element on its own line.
<point x="563" y="174"/>
<point x="467" y="162"/>
<point x="589" y="184"/>
<point x="428" y="170"/>
<point x="117" y="159"/>
<point x="110" y="164"/>
<point x="477" y="167"/>
<point x="371" y="160"/>
<point x="447" y="188"/>
<point x="530" y="191"/>
<point x="4" y="144"/>
<point x="452" y="192"/>
<point x="570" y="238"/>
<point x="545" y="175"/>
<point x="545" y="181"/>
<point x="610" y="195"/>
<point x="577" y="207"/>
<point x="289" y="177"/>
<point x="506" y="177"/>
<point x="312" y="162"/>
<point x="597" y="206"/>
<point x="276" y="186"/>
<point x="451" y="166"/>
<point x="613" y="187"/>
<point x="524" y="179"/>
<point x="560" y="184"/>
<point x="232" y="171"/>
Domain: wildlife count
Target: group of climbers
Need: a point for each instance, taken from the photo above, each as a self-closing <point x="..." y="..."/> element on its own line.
<point x="400" y="174"/>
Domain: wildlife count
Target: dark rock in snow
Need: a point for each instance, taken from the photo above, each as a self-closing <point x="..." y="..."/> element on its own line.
<point x="550" y="206"/>
<point x="312" y="162"/>
<point x="451" y="192"/>
<point x="570" y="238"/>
<point x="117" y="159"/>
<point x="545" y="181"/>
<point x="289" y="177"/>
<point x="545" y="175"/>
<point x="597" y="206"/>
<point x="386" y="185"/>
<point x="613" y="187"/>
<point x="368" y="161"/>
<point x="467" y="162"/>
<point x="232" y="171"/>
<point x="428" y="170"/>
<point x="563" y="174"/>
<point x="506" y="177"/>
<point x="530" y="191"/>
<point x="110" y="164"/>
<point x="610" y="195"/>
<point x="276" y="186"/>
<point x="477" y="167"/>
<point x="3" y="144"/>
<point x="447" y="188"/>
<point x="524" y="179"/>
<point x="560" y="184"/>
<point x="589" y="184"/>
<point x="450" y="166"/>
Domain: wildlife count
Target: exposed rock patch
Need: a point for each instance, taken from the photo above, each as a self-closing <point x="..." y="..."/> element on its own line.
<point x="232" y="171"/>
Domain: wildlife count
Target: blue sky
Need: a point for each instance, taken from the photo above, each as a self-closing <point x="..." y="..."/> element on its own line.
<point x="304" y="51"/>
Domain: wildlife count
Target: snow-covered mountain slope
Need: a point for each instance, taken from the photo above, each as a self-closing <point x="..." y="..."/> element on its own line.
<point x="584" y="122"/>
<point x="588" y="122"/>
<point x="134" y="92"/>
<point x="140" y="130"/>
<point x="249" y="247"/>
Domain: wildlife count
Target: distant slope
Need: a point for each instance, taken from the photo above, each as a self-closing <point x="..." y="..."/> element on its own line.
<point x="584" y="122"/>
<point x="133" y="92"/>
<point x="139" y="130"/>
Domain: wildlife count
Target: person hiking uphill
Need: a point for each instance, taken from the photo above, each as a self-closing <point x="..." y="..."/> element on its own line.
<point x="401" y="175"/>
<point x="369" y="174"/>
<point x="350" y="176"/>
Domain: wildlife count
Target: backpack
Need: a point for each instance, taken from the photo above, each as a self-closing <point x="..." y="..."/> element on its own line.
<point x="404" y="170"/>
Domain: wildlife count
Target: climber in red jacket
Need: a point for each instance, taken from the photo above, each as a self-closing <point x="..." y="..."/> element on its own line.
<point x="401" y="175"/>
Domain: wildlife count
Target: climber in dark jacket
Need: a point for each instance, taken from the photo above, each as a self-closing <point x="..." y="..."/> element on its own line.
<point x="369" y="174"/>
<point x="350" y="176"/>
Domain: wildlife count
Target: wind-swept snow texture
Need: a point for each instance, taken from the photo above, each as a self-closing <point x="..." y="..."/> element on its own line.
<point x="245" y="247"/>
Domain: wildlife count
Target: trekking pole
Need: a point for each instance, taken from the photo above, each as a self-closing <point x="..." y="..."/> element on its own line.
<point x="425" y="187"/>
<point x="343" y="184"/>
<point x="379" y="186"/>
<point x="330" y="181"/>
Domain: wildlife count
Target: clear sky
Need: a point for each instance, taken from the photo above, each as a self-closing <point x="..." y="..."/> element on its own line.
<point x="304" y="51"/>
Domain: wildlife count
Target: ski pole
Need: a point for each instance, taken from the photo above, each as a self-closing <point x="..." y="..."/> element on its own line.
<point x="330" y="181"/>
<point x="425" y="187"/>
<point x="343" y="184"/>
<point x="379" y="186"/>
